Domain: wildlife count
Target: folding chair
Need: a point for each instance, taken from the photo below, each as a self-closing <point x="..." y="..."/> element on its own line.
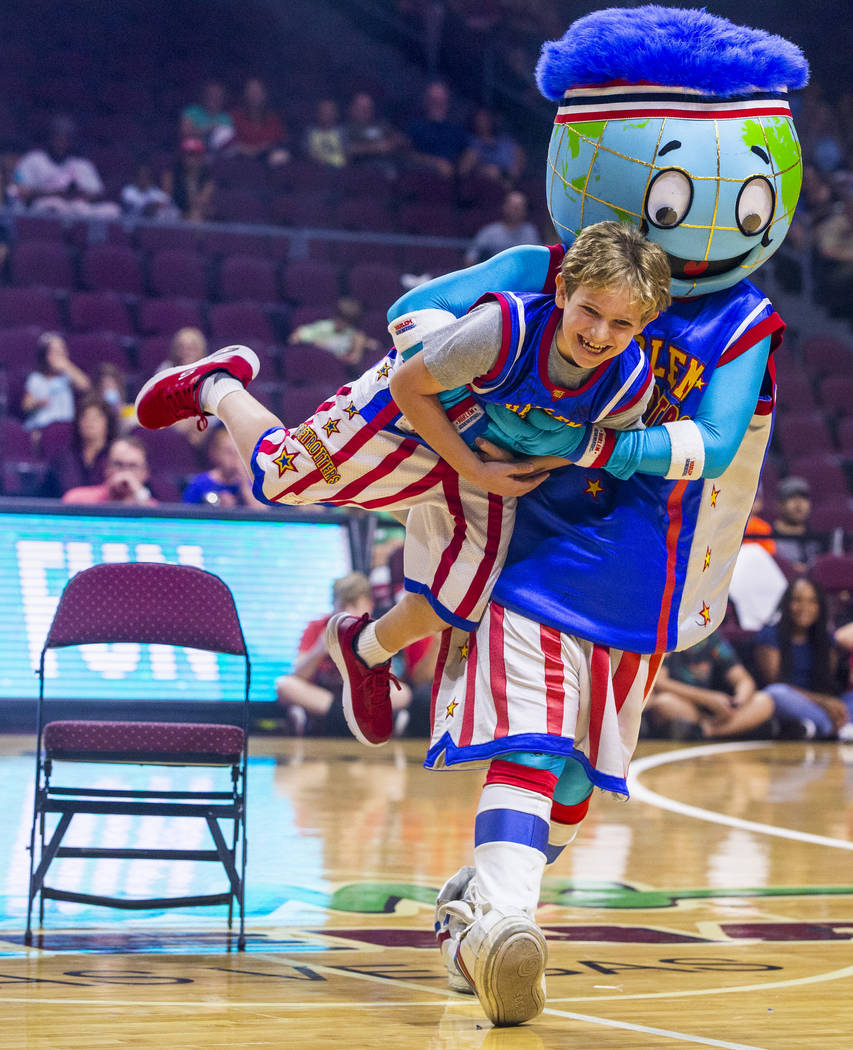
<point x="138" y="602"/>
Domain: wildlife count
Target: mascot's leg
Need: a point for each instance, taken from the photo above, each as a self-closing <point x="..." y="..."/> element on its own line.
<point x="571" y="802"/>
<point x="485" y="913"/>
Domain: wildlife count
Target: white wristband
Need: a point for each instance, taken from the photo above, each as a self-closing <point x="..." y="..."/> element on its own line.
<point x="687" y="457"/>
<point x="408" y="330"/>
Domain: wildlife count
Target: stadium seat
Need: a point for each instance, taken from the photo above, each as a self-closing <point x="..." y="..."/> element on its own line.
<point x="174" y="272"/>
<point x="165" y="316"/>
<point x="44" y="263"/>
<point x="136" y="603"/>
<point x="99" y="311"/>
<point x="248" y="277"/>
<point x="111" y="267"/>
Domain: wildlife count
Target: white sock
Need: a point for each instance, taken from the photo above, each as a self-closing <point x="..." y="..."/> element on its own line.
<point x="369" y="649"/>
<point x="214" y="388"/>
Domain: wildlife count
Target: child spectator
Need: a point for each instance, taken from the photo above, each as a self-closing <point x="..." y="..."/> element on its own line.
<point x="340" y="335"/>
<point x="797" y="660"/>
<point x="226" y="484"/>
<point x="144" y="199"/>
<point x="49" y="390"/>
<point x="111" y="387"/>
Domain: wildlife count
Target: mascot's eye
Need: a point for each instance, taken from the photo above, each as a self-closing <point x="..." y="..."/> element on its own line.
<point x="755" y="204"/>
<point x="669" y="198"/>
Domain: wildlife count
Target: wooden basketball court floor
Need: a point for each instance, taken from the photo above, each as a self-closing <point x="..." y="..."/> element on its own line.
<point x="715" y="909"/>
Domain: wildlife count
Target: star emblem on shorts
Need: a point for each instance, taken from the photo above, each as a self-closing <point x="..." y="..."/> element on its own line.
<point x="593" y="487"/>
<point x="705" y="613"/>
<point x="284" y="461"/>
<point x="707" y="558"/>
<point x="331" y="427"/>
<point x="351" y="410"/>
<point x="384" y="371"/>
<point x="451" y="708"/>
<point x="714" y="493"/>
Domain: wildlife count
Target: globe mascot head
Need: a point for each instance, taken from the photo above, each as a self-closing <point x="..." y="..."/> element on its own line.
<point x="676" y="121"/>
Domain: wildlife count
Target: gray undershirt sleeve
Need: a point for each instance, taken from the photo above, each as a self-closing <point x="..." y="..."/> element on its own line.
<point x="465" y="348"/>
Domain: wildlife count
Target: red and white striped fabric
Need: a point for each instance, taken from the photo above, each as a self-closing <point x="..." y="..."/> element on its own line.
<point x="456" y="534"/>
<point x="517" y="685"/>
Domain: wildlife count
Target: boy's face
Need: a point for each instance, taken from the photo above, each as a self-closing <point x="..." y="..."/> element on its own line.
<point x="598" y="323"/>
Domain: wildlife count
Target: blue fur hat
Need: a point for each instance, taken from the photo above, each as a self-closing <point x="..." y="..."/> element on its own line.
<point x="669" y="46"/>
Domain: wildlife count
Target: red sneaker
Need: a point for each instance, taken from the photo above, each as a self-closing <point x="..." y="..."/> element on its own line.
<point x="172" y="394"/>
<point x="367" y="690"/>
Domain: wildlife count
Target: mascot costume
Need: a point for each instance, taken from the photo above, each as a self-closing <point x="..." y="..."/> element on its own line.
<point x="676" y="121"/>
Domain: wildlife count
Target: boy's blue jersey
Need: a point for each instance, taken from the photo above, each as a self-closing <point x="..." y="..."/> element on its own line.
<point x="518" y="382"/>
<point x="665" y="548"/>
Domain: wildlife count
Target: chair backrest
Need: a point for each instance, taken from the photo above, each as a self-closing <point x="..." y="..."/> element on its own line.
<point x="148" y="602"/>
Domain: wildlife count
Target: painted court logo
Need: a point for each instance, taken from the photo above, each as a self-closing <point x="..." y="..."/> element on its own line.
<point x="318" y="453"/>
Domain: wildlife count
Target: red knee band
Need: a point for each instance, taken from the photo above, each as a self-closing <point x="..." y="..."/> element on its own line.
<point x="570" y="814"/>
<point x="541" y="781"/>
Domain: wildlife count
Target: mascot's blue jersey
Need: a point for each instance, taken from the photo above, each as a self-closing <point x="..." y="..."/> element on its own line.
<point x="519" y="379"/>
<point x="644" y="564"/>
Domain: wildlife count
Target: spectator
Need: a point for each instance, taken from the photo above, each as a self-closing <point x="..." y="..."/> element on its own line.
<point x="791" y="524"/>
<point x="437" y="142"/>
<point x="492" y="153"/>
<point x="208" y="120"/>
<point x="511" y="229"/>
<point x="188" y="345"/>
<point x="226" y="484"/>
<point x="757" y="529"/>
<point x="339" y="334"/>
<point x="834" y="251"/>
<point x="189" y="182"/>
<point x="53" y="180"/>
<point x="84" y="462"/>
<point x="371" y="140"/>
<point x="258" y="130"/>
<point x="125" y="477"/>
<point x="325" y="139"/>
<point x="144" y="199"/>
<point x="49" y="390"/>
<point x="314" y="687"/>
<point x="800" y="667"/>
<point x="111" y="387"/>
<point x="705" y="691"/>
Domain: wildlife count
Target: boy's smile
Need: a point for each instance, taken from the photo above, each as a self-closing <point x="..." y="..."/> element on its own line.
<point x="597" y="324"/>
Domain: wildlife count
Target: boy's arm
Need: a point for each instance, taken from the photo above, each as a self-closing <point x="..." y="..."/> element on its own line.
<point x="415" y="391"/>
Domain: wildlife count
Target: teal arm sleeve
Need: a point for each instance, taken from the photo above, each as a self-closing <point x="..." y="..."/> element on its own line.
<point x="545" y="437"/>
<point x="522" y="269"/>
<point x="727" y="407"/>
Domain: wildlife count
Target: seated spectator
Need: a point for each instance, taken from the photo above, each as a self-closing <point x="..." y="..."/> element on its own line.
<point x="189" y="182"/>
<point x="188" y="345"/>
<point x="371" y="140"/>
<point x="799" y="665"/>
<point x="757" y="529"/>
<point x="226" y="484"/>
<point x="791" y="524"/>
<point x="314" y="687"/>
<point x="125" y="477"/>
<point x="436" y="141"/>
<point x="208" y="119"/>
<point x="84" y="462"/>
<point x="492" y="153"/>
<point x="258" y="130"/>
<point x="705" y="691"/>
<point x="511" y="229"/>
<point x="111" y="387"/>
<point x="49" y="390"/>
<point x="325" y="139"/>
<point x="144" y="199"/>
<point x="339" y="334"/>
<point x="55" y="181"/>
<point x="834" y="250"/>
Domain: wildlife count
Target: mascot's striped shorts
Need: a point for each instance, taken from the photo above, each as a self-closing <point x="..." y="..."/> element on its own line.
<point x="516" y="685"/>
<point x="456" y="534"/>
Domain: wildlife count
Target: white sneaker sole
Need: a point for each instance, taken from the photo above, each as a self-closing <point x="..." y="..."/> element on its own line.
<point x="510" y="970"/>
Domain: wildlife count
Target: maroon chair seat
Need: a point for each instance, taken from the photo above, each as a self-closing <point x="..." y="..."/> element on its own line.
<point x="181" y="742"/>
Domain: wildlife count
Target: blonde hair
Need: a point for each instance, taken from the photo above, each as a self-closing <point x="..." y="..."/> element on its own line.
<point x="350" y="588"/>
<point x="611" y="255"/>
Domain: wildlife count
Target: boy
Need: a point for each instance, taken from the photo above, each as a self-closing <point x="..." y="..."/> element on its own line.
<point x="386" y="441"/>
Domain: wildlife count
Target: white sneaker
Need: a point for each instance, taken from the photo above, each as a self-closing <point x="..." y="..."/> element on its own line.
<point x="504" y="954"/>
<point x="455" y="910"/>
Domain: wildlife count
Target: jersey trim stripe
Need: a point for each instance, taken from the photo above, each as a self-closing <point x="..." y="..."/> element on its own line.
<point x="497" y="671"/>
<point x="626" y="386"/>
<point x="494" y="523"/>
<point x="673" y="508"/>
<point x="467" y="734"/>
<point x="767" y="326"/>
<point x="416" y="587"/>
<point x="599" y="678"/>
<point x="555" y="693"/>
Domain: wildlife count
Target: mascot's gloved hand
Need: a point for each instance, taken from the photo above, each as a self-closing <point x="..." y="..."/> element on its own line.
<point x="537" y="434"/>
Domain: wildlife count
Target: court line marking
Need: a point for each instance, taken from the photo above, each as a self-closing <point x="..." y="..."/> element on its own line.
<point x="665" y="1032"/>
<point x="640" y="793"/>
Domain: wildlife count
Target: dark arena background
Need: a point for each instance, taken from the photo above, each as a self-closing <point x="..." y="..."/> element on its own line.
<point x="715" y="908"/>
